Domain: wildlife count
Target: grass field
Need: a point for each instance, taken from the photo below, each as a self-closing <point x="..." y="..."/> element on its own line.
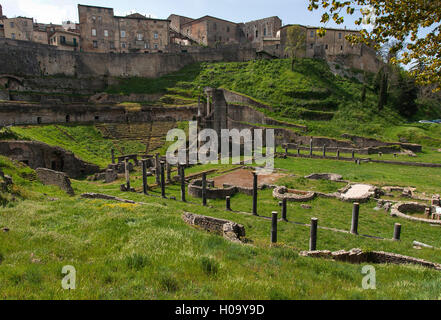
<point x="123" y="251"/>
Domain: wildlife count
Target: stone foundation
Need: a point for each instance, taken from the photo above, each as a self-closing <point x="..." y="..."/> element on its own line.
<point x="195" y="190"/>
<point x="357" y="256"/>
<point x="291" y="195"/>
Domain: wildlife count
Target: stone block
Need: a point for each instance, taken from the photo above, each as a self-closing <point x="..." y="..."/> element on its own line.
<point x="59" y="179"/>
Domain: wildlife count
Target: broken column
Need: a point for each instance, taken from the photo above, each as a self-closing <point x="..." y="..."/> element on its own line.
<point x="397" y="232"/>
<point x="168" y="167"/>
<point x="204" y="189"/>
<point x="112" y="152"/>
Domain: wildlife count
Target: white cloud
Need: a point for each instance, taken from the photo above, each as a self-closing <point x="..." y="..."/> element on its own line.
<point x="41" y="10"/>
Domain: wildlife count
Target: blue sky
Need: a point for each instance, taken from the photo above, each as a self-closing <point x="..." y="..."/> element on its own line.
<point x="290" y="11"/>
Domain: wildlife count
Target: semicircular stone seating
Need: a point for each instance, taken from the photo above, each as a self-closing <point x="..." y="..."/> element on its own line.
<point x="292" y="195"/>
<point x="405" y="210"/>
<point x="195" y="190"/>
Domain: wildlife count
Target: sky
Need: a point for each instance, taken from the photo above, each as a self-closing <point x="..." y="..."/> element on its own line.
<point x="290" y="11"/>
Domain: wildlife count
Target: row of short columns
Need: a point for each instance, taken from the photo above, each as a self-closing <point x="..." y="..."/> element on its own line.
<point x="314" y="225"/>
<point x="324" y="152"/>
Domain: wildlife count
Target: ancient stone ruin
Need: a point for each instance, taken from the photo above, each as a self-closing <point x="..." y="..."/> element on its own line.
<point x="292" y="195"/>
<point x="55" y="178"/>
<point x="228" y="229"/>
<point x="358" y="256"/>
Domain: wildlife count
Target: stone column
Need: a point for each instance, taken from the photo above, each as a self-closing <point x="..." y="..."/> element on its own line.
<point x="182" y="176"/>
<point x="338" y="154"/>
<point x="204" y="189"/>
<point x="355" y="215"/>
<point x="168" y="167"/>
<point x="324" y="151"/>
<point x="397" y="232"/>
<point x="282" y="204"/>
<point x="127" y="172"/>
<point x="313" y="235"/>
<point x="144" y="176"/>
<point x="255" y="193"/>
<point x="274" y="227"/>
<point x="353" y="154"/>
<point x="310" y="147"/>
<point x="157" y="169"/>
<point x="228" y="203"/>
<point x="112" y="152"/>
<point x="162" y="179"/>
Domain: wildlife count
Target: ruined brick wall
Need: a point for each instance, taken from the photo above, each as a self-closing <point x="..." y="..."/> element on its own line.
<point x="258" y="30"/>
<point x="40" y="155"/>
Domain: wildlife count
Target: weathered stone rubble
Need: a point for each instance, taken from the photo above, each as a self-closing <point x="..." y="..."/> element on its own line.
<point x="359" y="256"/>
<point x="228" y="229"/>
<point x="325" y="176"/>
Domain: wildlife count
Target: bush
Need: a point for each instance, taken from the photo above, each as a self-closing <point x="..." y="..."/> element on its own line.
<point x="209" y="266"/>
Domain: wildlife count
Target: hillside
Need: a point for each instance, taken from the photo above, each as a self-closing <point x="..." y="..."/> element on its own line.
<point x="312" y="95"/>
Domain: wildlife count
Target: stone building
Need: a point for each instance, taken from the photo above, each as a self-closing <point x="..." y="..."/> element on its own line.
<point x="210" y="31"/>
<point x="332" y="47"/>
<point x="19" y="28"/>
<point x="262" y="32"/>
<point x="102" y="31"/>
<point x="65" y="40"/>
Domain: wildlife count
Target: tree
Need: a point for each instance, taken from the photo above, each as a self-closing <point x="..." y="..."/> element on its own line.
<point x="295" y="43"/>
<point x="402" y="21"/>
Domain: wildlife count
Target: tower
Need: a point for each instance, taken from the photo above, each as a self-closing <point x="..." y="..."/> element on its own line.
<point x="1" y="11"/>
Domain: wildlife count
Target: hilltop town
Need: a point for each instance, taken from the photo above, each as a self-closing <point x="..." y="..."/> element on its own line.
<point x="101" y="31"/>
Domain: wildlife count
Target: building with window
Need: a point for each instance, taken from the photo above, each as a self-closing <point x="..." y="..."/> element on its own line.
<point x="65" y="40"/>
<point x="102" y="31"/>
<point x="20" y="28"/>
<point x="263" y="31"/>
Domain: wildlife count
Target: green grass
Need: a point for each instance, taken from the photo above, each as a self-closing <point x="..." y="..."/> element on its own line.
<point x="85" y="141"/>
<point x="123" y="251"/>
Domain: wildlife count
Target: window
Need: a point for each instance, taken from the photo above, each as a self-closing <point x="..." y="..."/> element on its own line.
<point x="257" y="33"/>
<point x="228" y="29"/>
<point x="215" y="26"/>
<point x="95" y="44"/>
<point x="106" y="33"/>
<point x="123" y="34"/>
<point x="75" y="41"/>
<point x="12" y="35"/>
<point x="100" y="19"/>
<point x="139" y="36"/>
<point x="93" y="32"/>
<point x="123" y="45"/>
<point x="11" y="24"/>
<point x="312" y="45"/>
<point x="339" y="35"/>
<point x="62" y="39"/>
<point x="93" y="18"/>
<point x="312" y="34"/>
<point x="146" y="45"/>
<point x="341" y="48"/>
<point x="264" y="31"/>
<point x="156" y="46"/>
<point x="25" y="23"/>
<point x="326" y="47"/>
<point x="156" y="35"/>
<point x="112" y="45"/>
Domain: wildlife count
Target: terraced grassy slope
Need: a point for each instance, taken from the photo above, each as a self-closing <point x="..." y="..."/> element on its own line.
<point x="307" y="96"/>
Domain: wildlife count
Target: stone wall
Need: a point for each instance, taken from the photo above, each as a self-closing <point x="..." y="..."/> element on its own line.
<point x="13" y="113"/>
<point x="40" y="155"/>
<point x="55" y="178"/>
<point x="33" y="59"/>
